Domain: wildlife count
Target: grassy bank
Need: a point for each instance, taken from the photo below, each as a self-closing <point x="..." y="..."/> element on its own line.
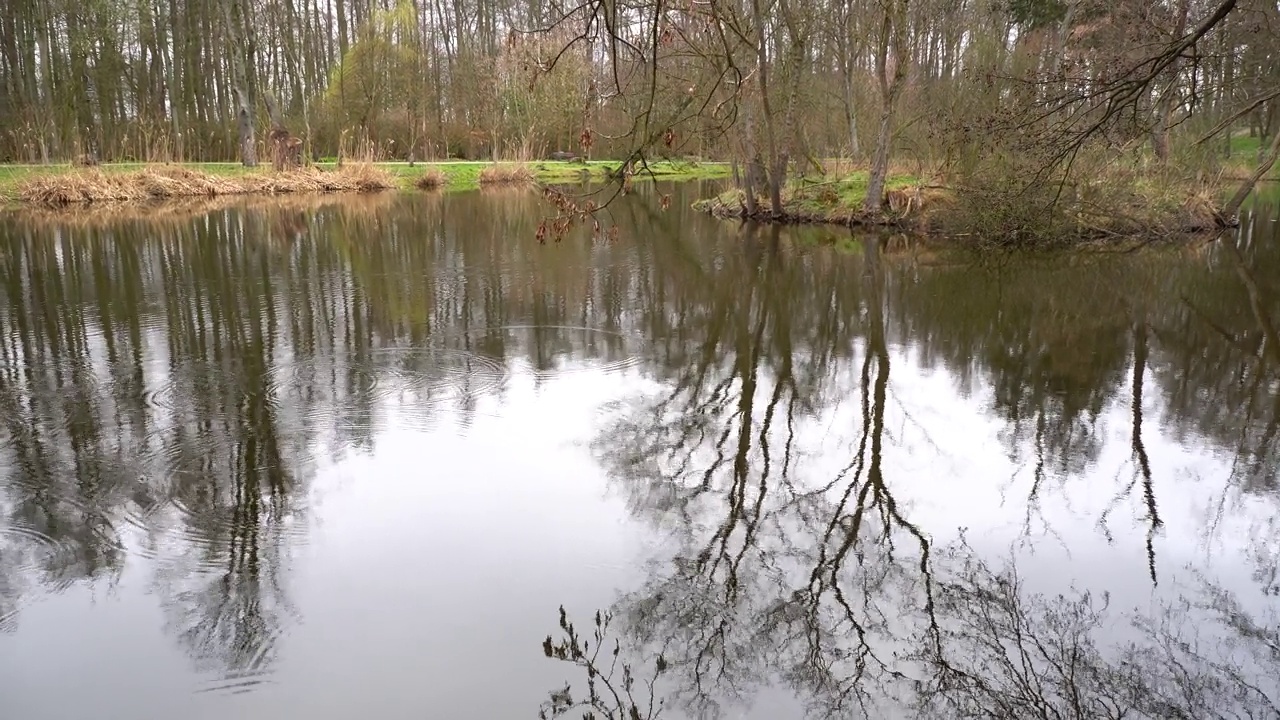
<point x="835" y="200"/>
<point x="462" y="175"/>
<point x="173" y="182"/>
<point x="1114" y="206"/>
<point x="286" y="208"/>
<point x="63" y="184"/>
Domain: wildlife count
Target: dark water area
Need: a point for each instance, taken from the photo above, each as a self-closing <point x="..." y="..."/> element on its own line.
<point x="348" y="458"/>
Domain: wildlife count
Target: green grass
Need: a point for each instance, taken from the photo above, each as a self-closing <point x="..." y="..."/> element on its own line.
<point x="1244" y="145"/>
<point x="844" y="194"/>
<point x="459" y="175"/>
<point x="819" y="199"/>
<point x="1243" y="157"/>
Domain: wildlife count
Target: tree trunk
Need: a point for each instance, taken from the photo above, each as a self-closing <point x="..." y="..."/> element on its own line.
<point x="1264" y="166"/>
<point x="795" y="75"/>
<point x="1164" y="107"/>
<point x="248" y="141"/>
<point x="48" y="138"/>
<point x="750" y="154"/>
<point x="232" y="12"/>
<point x="341" y="13"/>
<point x="775" y="174"/>
<point x="880" y="160"/>
<point x="851" y="113"/>
<point x="892" y="38"/>
<point x="177" y="110"/>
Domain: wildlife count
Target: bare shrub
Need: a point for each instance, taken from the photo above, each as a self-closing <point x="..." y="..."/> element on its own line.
<point x="1009" y="653"/>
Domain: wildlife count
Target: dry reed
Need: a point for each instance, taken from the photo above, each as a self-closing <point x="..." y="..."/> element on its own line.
<point x="433" y="179"/>
<point x="160" y="183"/>
<point x="506" y="175"/>
<point x="183" y="209"/>
<point x="1201" y="210"/>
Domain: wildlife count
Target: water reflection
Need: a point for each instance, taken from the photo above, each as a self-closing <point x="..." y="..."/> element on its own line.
<point x="793" y="571"/>
<point x="795" y="557"/>
<point x="994" y="649"/>
<point x="799" y="427"/>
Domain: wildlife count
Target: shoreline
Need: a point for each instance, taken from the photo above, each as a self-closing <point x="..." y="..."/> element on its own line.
<point x="912" y="206"/>
<point x="53" y="186"/>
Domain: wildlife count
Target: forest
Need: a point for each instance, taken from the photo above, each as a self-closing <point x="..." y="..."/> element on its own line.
<point x="999" y="98"/>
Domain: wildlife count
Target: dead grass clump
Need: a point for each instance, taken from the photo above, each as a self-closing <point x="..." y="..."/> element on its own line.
<point x="181" y="210"/>
<point x="79" y="187"/>
<point x="433" y="179"/>
<point x="356" y="177"/>
<point x="176" y="182"/>
<point x="1201" y="211"/>
<point x="506" y="175"/>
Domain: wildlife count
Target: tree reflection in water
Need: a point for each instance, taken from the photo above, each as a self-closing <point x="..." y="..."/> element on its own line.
<point x="826" y="587"/>
<point x="999" y="652"/>
<point x="807" y="582"/>
<point x="168" y="384"/>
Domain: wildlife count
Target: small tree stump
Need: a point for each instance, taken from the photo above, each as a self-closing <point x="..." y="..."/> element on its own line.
<point x="286" y="149"/>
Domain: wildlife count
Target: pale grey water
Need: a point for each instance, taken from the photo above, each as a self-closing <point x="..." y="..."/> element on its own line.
<point x="348" y="458"/>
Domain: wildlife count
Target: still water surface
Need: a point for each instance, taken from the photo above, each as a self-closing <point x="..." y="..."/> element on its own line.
<point x="348" y="458"/>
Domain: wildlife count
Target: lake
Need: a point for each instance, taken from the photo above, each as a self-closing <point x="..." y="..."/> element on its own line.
<point x="336" y="458"/>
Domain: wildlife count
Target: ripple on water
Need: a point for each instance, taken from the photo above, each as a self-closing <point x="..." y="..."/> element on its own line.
<point x="235" y="683"/>
<point x="101" y="516"/>
<point x="198" y="492"/>
<point x="79" y="381"/>
<point x="66" y="390"/>
<point x="145" y="508"/>
<point x="418" y="381"/>
<point x="336" y="396"/>
<point x="441" y="372"/>
<point x="54" y="561"/>
<point x="122" y="498"/>
<point x="359" y="379"/>
<point x="442" y="381"/>
<point x="206" y="530"/>
<point x="569" y="363"/>
<point x="188" y="389"/>
<point x="574" y="367"/>
<point x="250" y="676"/>
<point x="8" y="619"/>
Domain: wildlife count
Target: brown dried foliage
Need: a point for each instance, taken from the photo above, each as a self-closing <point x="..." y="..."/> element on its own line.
<point x="96" y="186"/>
<point x="433" y="179"/>
<point x="506" y="175"/>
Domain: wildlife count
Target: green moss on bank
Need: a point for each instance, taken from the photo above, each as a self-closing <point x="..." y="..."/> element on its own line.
<point x="835" y="201"/>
